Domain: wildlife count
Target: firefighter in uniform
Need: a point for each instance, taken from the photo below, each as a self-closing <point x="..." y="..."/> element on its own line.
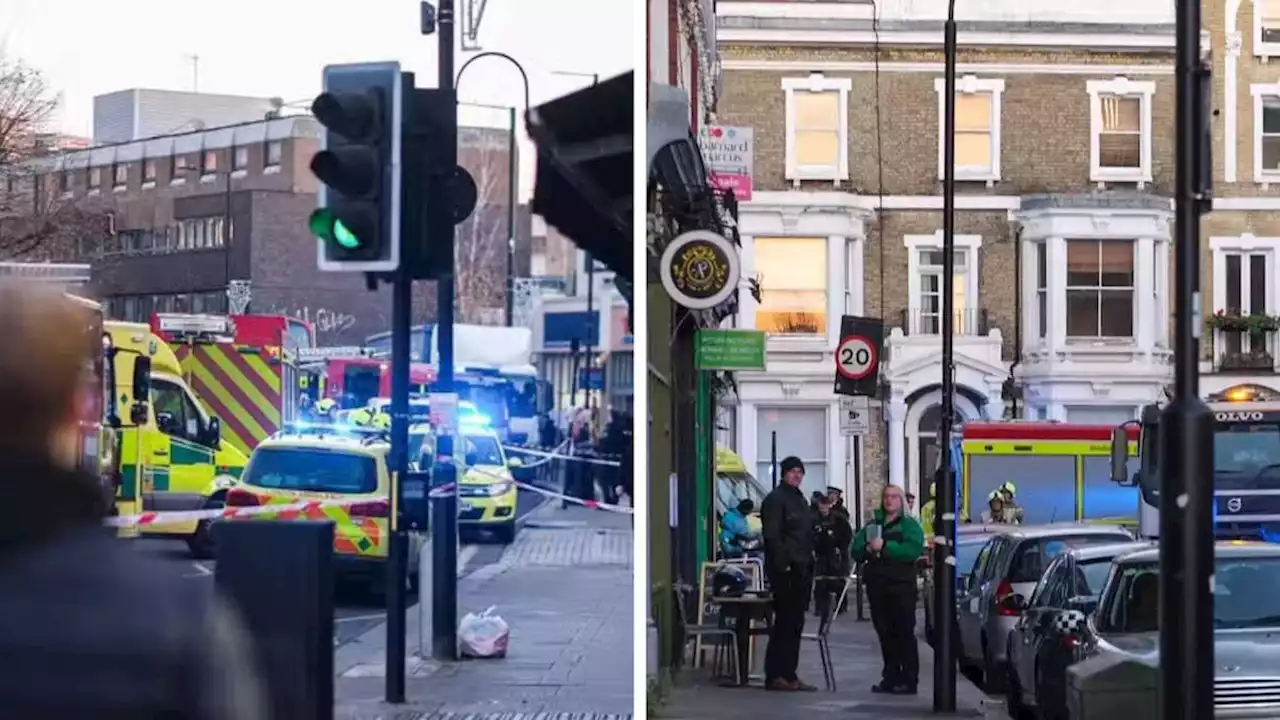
<point x="325" y="409"/>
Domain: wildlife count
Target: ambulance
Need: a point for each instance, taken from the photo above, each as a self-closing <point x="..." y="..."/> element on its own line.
<point x="1061" y="471"/>
<point x="171" y="456"/>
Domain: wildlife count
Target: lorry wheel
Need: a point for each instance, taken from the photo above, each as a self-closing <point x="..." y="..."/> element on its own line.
<point x="201" y="541"/>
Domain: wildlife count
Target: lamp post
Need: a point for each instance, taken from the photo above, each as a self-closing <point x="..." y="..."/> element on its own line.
<point x="512" y="172"/>
<point x="944" y="521"/>
<point x="591" y="275"/>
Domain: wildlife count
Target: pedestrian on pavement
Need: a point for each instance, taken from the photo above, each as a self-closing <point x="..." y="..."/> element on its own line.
<point x="836" y="496"/>
<point x="832" y="537"/>
<point x="911" y="503"/>
<point x="889" y="547"/>
<point x="89" y="626"/>
<point x="612" y="445"/>
<point x="787" y="529"/>
<point x="580" y="475"/>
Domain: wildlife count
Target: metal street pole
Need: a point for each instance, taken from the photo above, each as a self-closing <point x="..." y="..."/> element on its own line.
<point x="944" y="570"/>
<point x="512" y="179"/>
<point x="398" y="553"/>
<point x="444" y="520"/>
<point x="1186" y="494"/>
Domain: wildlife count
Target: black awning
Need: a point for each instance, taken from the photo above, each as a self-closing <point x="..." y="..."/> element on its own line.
<point x="585" y="183"/>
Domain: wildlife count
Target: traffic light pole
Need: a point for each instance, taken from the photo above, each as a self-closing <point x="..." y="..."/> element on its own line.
<point x="444" y="521"/>
<point x="944" y="500"/>
<point x="1186" y="495"/>
<point x="398" y="556"/>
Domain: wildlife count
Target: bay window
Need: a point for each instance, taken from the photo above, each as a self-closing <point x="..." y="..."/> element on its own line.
<point x="1100" y="289"/>
<point x="793" y="285"/>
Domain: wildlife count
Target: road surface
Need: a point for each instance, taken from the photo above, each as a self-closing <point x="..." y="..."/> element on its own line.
<point x="356" y="609"/>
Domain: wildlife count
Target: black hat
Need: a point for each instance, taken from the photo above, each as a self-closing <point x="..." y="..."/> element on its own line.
<point x="834" y="489"/>
<point x="791" y="463"/>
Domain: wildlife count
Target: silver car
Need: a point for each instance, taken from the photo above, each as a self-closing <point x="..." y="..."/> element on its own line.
<point x="1246" y="615"/>
<point x="1038" y="653"/>
<point x="1003" y="576"/>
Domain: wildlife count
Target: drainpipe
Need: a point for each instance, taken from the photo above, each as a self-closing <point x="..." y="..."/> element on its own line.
<point x="1017" y="320"/>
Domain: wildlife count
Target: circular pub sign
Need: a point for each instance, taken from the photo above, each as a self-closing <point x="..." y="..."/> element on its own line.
<point x="700" y="269"/>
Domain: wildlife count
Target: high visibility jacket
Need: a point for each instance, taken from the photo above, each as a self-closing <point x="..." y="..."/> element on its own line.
<point x="361" y="417"/>
<point x="926" y="520"/>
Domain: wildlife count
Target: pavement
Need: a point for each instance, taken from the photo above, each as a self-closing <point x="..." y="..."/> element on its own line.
<point x="356" y="609"/>
<point x="565" y="587"/>
<point x="856" y="657"/>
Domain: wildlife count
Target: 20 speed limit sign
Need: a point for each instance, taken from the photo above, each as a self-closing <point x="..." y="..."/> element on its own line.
<point x="856" y="357"/>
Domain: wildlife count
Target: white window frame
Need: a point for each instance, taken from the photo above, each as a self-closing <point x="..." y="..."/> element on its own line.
<point x="1134" y="289"/>
<point x="835" y="269"/>
<point x="1245" y="246"/>
<point x="1260" y="174"/>
<point x="972" y="85"/>
<point x="1262" y="50"/>
<point x="1145" y="90"/>
<point x="817" y="82"/>
<point x="762" y="441"/>
<point x="971" y="244"/>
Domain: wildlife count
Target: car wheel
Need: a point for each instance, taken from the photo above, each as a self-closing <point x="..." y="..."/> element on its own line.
<point x="1013" y="697"/>
<point x="506" y="533"/>
<point x="200" y="542"/>
<point x="993" y="676"/>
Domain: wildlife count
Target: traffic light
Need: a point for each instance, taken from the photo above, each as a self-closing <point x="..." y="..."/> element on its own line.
<point x="357" y="220"/>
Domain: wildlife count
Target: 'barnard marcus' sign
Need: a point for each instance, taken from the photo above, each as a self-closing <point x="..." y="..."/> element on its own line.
<point x="730" y="156"/>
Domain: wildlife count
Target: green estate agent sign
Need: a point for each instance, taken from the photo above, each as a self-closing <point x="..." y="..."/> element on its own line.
<point x="730" y="350"/>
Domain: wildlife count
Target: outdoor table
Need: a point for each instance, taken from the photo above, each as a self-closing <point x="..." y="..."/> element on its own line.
<point x="744" y="610"/>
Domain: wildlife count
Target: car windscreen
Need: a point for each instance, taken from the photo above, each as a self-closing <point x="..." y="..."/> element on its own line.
<point x="967" y="552"/>
<point x="732" y="488"/>
<point x="1095" y="573"/>
<point x="312" y="470"/>
<point x="1246" y="594"/>
<point x="1034" y="554"/>
<point x="483" y="450"/>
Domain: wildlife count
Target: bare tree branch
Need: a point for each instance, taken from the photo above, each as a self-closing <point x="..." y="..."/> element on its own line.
<point x="480" y="264"/>
<point x="38" y="220"/>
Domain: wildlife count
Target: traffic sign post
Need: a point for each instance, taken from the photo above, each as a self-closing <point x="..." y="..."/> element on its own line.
<point x="855" y="420"/>
<point x="858" y="356"/>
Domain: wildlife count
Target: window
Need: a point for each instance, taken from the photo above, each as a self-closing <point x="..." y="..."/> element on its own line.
<point x="1120" y="146"/>
<point x="148" y="170"/>
<point x="95" y="179"/>
<point x="977" y="128"/>
<point x="240" y="158"/>
<point x="274" y="154"/>
<point x="1042" y="287"/>
<point x="119" y="175"/>
<point x="176" y="412"/>
<point x="817" y="128"/>
<point x="1246" y="294"/>
<point x="802" y="432"/>
<point x="1099" y="289"/>
<point x="177" y="167"/>
<point x="793" y="285"/>
<point x="208" y="162"/>
<point x="64" y="181"/>
<point x="924" y="283"/>
<point x="1266" y="28"/>
<point x="1266" y="123"/>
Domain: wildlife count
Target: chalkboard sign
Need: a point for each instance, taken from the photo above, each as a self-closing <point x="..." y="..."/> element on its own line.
<point x="709" y="612"/>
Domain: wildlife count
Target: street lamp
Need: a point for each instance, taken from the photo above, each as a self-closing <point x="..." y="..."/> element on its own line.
<point x="591" y="270"/>
<point x="944" y="491"/>
<point x="512" y="172"/>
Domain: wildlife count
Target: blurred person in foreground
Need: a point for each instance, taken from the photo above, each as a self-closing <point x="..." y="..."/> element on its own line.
<point x="89" y="627"/>
<point x="889" y="547"/>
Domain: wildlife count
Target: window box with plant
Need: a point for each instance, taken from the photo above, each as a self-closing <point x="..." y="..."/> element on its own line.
<point x="1245" y="339"/>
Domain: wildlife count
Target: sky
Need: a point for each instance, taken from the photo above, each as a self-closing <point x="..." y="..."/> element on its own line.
<point x="277" y="48"/>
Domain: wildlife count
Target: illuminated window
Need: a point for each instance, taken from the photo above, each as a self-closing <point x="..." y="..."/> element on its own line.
<point x="977" y="128"/>
<point x="793" y="285"/>
<point x="924" y="284"/>
<point x="817" y="128"/>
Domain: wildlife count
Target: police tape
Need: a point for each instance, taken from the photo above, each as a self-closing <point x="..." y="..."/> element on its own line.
<point x="305" y="507"/>
<point x="548" y="456"/>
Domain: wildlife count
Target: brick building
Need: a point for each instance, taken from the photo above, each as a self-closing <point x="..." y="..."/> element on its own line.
<point x="187" y="214"/>
<point x="1240" y="262"/>
<point x="1065" y="167"/>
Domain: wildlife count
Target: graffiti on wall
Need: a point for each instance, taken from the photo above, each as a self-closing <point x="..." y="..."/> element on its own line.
<point x="325" y="320"/>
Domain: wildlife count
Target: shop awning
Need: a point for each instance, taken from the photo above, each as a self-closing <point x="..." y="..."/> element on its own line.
<point x="585" y="181"/>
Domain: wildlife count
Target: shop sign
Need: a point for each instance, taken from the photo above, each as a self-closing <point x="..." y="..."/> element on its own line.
<point x="700" y="269"/>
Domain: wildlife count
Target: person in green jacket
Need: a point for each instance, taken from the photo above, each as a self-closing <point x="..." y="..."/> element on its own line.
<point x="888" y="548"/>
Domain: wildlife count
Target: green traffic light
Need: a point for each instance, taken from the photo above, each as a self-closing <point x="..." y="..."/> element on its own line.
<point x="328" y="227"/>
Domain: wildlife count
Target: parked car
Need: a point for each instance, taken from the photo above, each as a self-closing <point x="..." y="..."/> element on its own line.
<point x="1038" y="652"/>
<point x="1246" y="617"/>
<point x="970" y="540"/>
<point x="1003" y="576"/>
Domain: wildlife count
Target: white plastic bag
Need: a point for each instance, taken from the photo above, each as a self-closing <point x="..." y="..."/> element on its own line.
<point x="484" y="635"/>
